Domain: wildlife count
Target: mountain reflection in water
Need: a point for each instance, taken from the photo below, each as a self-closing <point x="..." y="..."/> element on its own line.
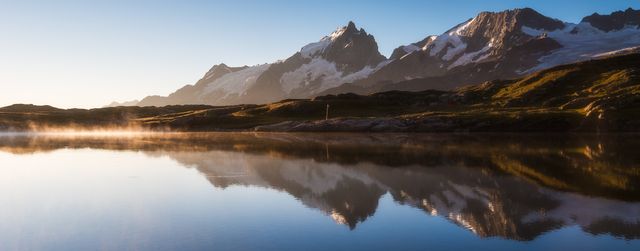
<point x="511" y="186"/>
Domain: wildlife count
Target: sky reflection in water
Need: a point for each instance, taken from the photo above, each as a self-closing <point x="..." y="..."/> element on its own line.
<point x="233" y="191"/>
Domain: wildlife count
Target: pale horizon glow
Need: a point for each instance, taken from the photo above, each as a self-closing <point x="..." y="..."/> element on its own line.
<point x="79" y="54"/>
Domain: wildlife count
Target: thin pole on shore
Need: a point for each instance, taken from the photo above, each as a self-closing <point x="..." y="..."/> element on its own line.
<point x="326" y="115"/>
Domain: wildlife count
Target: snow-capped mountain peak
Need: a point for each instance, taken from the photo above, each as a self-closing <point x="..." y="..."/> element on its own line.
<point x="346" y="55"/>
<point x="343" y="36"/>
<point x="489" y="46"/>
<point x="479" y="38"/>
<point x="350" y="28"/>
<point x="502" y="45"/>
<point x="313" y="49"/>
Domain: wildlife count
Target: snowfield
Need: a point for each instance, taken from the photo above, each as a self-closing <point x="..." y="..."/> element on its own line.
<point x="587" y="42"/>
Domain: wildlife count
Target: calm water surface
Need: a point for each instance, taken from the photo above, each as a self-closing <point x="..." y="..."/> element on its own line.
<point x="235" y="191"/>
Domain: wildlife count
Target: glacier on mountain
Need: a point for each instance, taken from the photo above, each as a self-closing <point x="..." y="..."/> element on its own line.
<point x="323" y="73"/>
<point x="583" y="42"/>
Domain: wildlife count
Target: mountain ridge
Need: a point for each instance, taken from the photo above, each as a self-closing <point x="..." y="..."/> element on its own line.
<point x="492" y="45"/>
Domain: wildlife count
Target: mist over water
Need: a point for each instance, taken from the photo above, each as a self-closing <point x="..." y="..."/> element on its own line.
<point x="277" y="191"/>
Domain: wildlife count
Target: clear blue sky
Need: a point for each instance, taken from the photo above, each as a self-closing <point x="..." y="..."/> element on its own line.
<point x="86" y="54"/>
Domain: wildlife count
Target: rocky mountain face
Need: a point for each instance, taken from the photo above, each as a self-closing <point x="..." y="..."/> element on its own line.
<point x="501" y="45"/>
<point x="346" y="55"/>
<point x="490" y="46"/>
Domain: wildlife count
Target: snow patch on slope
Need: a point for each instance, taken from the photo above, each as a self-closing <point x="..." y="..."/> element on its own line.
<point x="457" y="48"/>
<point x="409" y="49"/>
<point x="236" y="82"/>
<point x="472" y="57"/>
<point x="451" y="41"/>
<point x="431" y="40"/>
